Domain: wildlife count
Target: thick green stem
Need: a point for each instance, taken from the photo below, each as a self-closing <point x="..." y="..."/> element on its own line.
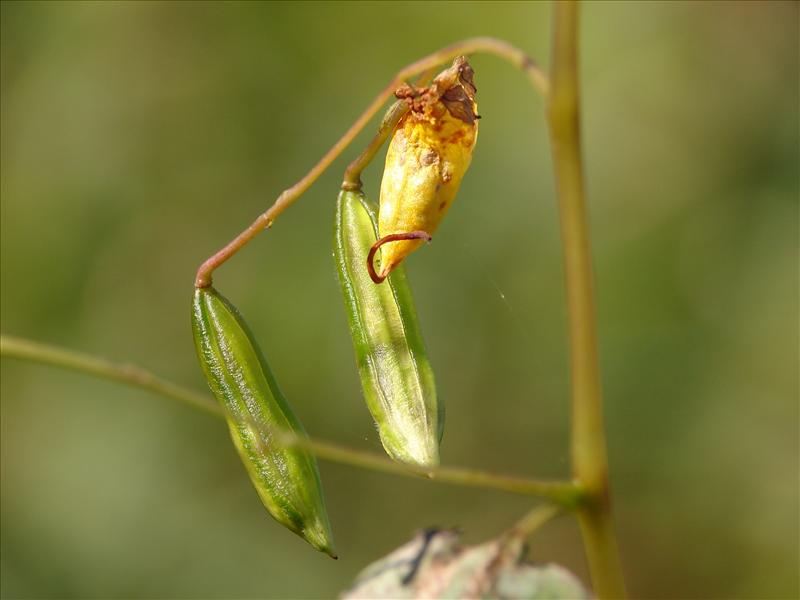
<point x="589" y="459"/>
<point x="560" y="492"/>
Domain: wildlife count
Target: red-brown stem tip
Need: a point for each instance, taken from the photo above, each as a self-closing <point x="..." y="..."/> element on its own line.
<point x="392" y="237"/>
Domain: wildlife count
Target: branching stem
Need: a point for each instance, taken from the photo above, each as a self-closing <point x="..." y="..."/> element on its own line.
<point x="589" y="494"/>
<point x="559" y="492"/>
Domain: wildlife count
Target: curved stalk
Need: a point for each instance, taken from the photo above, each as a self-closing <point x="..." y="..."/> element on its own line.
<point x="488" y="45"/>
<point x="589" y="459"/>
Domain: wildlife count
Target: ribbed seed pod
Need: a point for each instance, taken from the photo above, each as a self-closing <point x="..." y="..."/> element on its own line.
<point x="428" y="155"/>
<point x="286" y="478"/>
<point x="396" y="376"/>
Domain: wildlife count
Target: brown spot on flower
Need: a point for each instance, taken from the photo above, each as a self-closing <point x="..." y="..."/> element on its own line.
<point x="428" y="158"/>
<point x="457" y="137"/>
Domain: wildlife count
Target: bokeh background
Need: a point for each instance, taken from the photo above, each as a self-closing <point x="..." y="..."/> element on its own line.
<point x="137" y="138"/>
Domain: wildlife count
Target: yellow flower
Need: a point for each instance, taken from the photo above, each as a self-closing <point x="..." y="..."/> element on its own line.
<point x="428" y="155"/>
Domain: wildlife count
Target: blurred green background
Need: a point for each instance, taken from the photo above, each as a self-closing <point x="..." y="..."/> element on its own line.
<point x="137" y="138"/>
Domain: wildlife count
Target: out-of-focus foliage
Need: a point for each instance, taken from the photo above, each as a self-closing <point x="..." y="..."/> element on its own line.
<point x="137" y="138"/>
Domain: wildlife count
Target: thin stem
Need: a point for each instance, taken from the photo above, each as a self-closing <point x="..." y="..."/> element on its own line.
<point x="533" y="520"/>
<point x="511" y="545"/>
<point x="352" y="175"/>
<point x="488" y="45"/>
<point x="563" y="493"/>
<point x="14" y="347"/>
<point x="588" y="446"/>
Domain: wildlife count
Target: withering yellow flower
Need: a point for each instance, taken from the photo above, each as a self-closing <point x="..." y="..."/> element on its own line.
<point x="428" y="155"/>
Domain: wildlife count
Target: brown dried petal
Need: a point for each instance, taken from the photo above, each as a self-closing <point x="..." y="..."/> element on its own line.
<point x="466" y="76"/>
<point x="459" y="104"/>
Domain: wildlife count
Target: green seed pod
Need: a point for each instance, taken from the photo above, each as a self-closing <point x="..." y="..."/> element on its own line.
<point x="286" y="478"/>
<point x="396" y="376"/>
